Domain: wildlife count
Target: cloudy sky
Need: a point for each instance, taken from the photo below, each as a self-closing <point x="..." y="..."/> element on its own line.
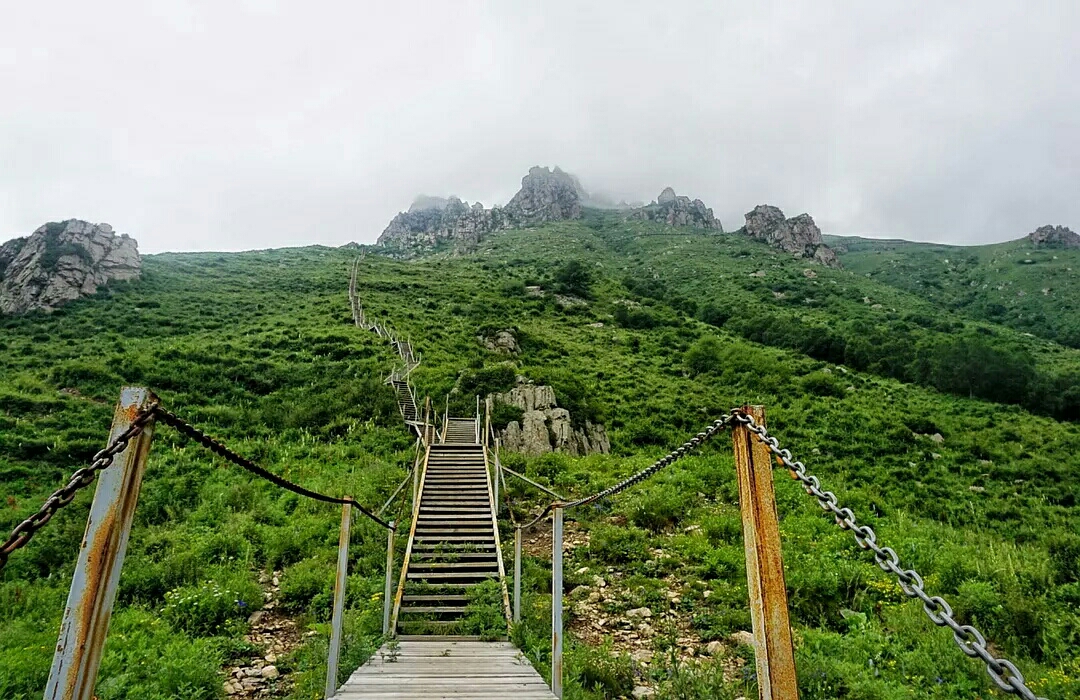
<point x="238" y="124"/>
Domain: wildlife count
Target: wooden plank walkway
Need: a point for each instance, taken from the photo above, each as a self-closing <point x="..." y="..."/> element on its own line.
<point x="450" y="668"/>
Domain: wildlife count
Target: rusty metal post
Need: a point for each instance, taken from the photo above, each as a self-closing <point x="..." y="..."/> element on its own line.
<point x="764" y="565"/>
<point x="517" y="574"/>
<point x="337" y="619"/>
<point x="388" y="588"/>
<point x="556" y="603"/>
<point x="101" y="556"/>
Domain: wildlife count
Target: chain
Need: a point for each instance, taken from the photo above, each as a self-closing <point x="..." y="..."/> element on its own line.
<point x="1002" y="671"/>
<point x="219" y="448"/>
<point x="78" y="481"/>
<point x="673" y="456"/>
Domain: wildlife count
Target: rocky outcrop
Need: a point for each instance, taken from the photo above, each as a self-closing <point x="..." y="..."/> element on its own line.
<point x="502" y="341"/>
<point x="1054" y="237"/>
<point x="545" y="427"/>
<point x="431" y="221"/>
<point x="799" y="235"/>
<point x="61" y="262"/>
<point x="546" y="195"/>
<point x="677" y="210"/>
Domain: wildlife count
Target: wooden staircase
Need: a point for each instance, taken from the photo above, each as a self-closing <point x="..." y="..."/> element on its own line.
<point x="454" y="542"/>
<point x="409" y="410"/>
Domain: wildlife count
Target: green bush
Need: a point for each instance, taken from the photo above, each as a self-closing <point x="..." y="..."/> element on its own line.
<point x="704" y="356"/>
<point x="618" y="545"/>
<point x="304" y="581"/>
<point x="205" y="609"/>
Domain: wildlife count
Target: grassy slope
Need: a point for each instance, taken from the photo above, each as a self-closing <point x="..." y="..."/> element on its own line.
<point x="257" y="347"/>
<point x="1036" y="290"/>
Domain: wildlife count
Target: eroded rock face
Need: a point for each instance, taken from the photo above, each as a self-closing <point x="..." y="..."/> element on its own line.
<point x="678" y="210"/>
<point x="60" y="262"/>
<point x="799" y="235"/>
<point x="546" y="195"/>
<point x="502" y="341"/>
<point x="1054" y="237"/>
<point x="544" y="426"/>
<point x="432" y="220"/>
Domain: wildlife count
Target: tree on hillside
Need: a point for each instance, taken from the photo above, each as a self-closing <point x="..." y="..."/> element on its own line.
<point x="573" y="278"/>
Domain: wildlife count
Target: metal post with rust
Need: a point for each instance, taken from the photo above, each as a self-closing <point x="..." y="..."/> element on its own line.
<point x="556" y="602"/>
<point x="388" y="587"/>
<point x="517" y="574"/>
<point x="764" y="565"/>
<point x="337" y="619"/>
<point x="101" y="556"/>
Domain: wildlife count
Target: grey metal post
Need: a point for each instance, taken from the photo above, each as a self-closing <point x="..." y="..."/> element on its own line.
<point x="339" y="601"/>
<point x="101" y="556"/>
<point x="387" y="589"/>
<point x="556" y="603"/>
<point x="517" y="574"/>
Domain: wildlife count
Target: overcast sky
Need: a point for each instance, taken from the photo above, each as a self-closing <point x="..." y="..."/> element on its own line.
<point x="230" y="125"/>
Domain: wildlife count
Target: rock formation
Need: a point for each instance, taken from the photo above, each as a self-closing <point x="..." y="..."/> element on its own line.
<point x="678" y="210"/>
<point x="502" y="341"/>
<point x="799" y="235"/>
<point x="544" y="426"/>
<point x="61" y="262"/>
<point x="434" y="220"/>
<point x="1054" y="237"/>
<point x="545" y="195"/>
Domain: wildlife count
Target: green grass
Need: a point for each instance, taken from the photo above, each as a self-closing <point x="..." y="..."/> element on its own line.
<point x="258" y="348"/>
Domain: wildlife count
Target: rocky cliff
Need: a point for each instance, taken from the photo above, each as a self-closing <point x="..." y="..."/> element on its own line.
<point x="678" y="210"/>
<point x="799" y="235"/>
<point x="544" y="426"/>
<point x="545" y="195"/>
<point x="63" y="261"/>
<point x="1054" y="237"/>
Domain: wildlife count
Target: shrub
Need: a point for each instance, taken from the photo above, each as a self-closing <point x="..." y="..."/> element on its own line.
<point x="704" y="356"/>
<point x="573" y="278"/>
<point x="302" y="582"/>
<point x="822" y="384"/>
<point x="618" y="545"/>
<point x="204" y="609"/>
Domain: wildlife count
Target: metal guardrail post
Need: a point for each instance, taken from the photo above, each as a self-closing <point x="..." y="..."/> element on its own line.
<point x="101" y="556"/>
<point x="337" y="619"/>
<point x="517" y="574"/>
<point x="388" y="588"/>
<point x="764" y="566"/>
<point x="556" y="603"/>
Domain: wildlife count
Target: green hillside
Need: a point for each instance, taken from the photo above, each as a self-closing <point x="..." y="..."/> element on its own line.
<point x="1016" y="284"/>
<point x="652" y="331"/>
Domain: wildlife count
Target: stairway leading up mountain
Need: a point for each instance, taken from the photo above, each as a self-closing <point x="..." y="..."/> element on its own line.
<point x="454" y="543"/>
<point x="406" y="401"/>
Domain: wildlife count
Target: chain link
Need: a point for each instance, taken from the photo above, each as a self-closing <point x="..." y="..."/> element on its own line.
<point x="673" y="456"/>
<point x="219" y="448"/>
<point x="82" y="478"/>
<point x="1002" y="672"/>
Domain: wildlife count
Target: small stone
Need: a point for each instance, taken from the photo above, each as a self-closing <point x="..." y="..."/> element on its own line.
<point x="255" y="617"/>
<point x="976" y="489"/>
<point x="706" y="594"/>
<point x="270" y="672"/>
<point x="582" y="570"/>
<point x="642" y="655"/>
<point x="639" y="612"/>
<point x="230" y="689"/>
<point x="935" y="455"/>
<point x="251" y="672"/>
<point x="641" y="691"/>
<point x="938" y="438"/>
<point x="714" y="648"/>
<point x="742" y="637"/>
<point x="270" y="658"/>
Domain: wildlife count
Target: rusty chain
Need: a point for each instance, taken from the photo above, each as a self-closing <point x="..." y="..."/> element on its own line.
<point x="1002" y="672"/>
<point x="219" y="448"/>
<point x="673" y="456"/>
<point x="82" y="478"/>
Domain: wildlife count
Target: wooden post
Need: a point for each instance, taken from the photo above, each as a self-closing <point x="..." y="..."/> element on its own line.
<point x="388" y="588"/>
<point x="517" y="574"/>
<point x="556" y="603"/>
<point x="337" y="619"/>
<point x="101" y="556"/>
<point x="764" y="565"/>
